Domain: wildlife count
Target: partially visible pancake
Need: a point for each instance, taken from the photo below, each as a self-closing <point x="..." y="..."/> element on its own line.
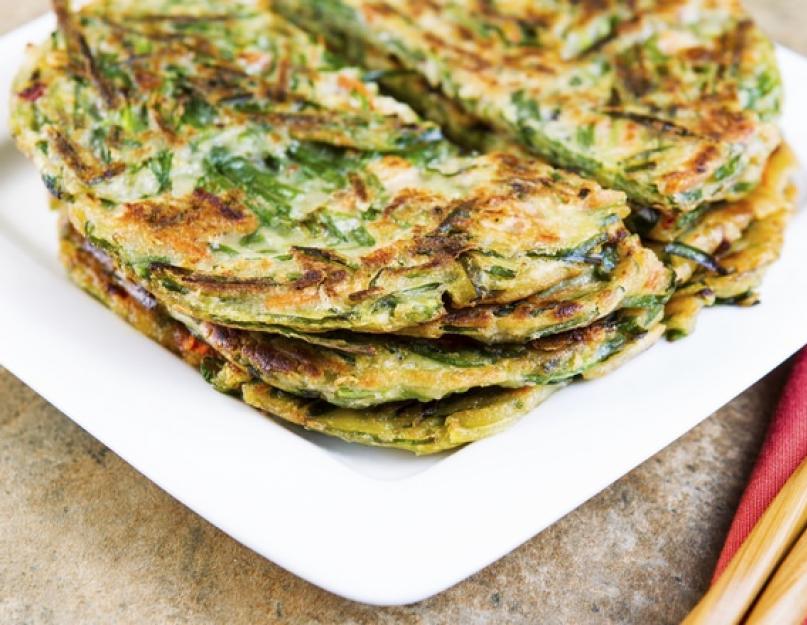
<point x="730" y="268"/>
<point x="671" y="101"/>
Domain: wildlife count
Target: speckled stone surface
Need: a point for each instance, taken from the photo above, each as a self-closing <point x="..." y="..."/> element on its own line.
<point x="86" y="539"/>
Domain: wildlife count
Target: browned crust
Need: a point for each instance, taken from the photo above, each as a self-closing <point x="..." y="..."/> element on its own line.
<point x="186" y="223"/>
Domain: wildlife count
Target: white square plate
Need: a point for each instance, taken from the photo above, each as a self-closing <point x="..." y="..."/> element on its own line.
<point x="373" y="525"/>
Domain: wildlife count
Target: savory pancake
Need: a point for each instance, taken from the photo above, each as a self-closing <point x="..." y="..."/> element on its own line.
<point x="744" y="265"/>
<point x="671" y="101"/>
<point x="420" y="427"/>
<point x="354" y="370"/>
<point x="729" y="269"/>
<point x="250" y="179"/>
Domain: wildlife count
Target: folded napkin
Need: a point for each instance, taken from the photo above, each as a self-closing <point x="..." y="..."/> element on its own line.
<point x="784" y="449"/>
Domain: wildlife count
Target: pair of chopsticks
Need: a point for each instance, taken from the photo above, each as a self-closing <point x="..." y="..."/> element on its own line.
<point x="766" y="581"/>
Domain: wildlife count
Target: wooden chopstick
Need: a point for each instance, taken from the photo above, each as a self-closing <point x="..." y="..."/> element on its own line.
<point x="784" y="599"/>
<point x="728" y="600"/>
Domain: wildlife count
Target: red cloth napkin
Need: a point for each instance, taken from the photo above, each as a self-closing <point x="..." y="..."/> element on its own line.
<point x="784" y="449"/>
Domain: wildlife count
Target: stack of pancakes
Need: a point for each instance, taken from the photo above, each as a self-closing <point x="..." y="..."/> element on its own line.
<point x="239" y="193"/>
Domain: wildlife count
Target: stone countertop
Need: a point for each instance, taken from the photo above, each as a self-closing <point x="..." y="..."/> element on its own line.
<point x="84" y="538"/>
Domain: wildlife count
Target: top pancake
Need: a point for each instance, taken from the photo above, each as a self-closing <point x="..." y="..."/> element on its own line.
<point x="225" y="157"/>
